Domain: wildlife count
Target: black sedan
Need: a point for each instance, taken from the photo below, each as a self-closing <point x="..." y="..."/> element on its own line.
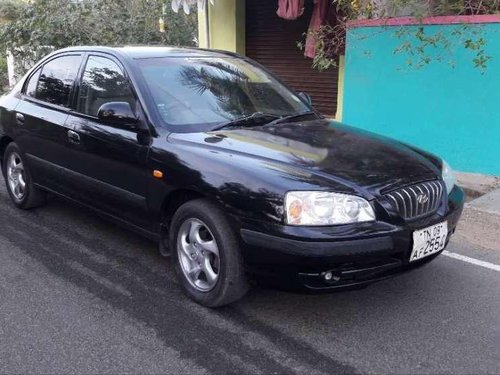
<point x="234" y="174"/>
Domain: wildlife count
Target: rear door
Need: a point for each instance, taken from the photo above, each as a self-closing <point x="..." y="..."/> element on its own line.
<point x="41" y="116"/>
<point x="108" y="167"/>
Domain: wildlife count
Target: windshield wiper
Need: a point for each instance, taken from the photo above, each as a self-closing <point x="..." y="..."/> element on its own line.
<point x="291" y="117"/>
<point x="250" y="120"/>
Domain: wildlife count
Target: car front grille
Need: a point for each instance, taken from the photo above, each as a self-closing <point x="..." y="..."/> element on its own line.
<point x="416" y="201"/>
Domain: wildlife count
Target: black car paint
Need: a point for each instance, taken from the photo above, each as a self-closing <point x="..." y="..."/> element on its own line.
<point x="247" y="171"/>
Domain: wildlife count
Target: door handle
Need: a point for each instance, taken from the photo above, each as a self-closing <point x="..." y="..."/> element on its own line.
<point x="20" y="118"/>
<point x="73" y="137"/>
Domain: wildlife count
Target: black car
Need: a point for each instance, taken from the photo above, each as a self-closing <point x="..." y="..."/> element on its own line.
<point x="228" y="169"/>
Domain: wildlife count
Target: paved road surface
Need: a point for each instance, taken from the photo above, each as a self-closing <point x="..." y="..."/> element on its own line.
<point x="78" y="294"/>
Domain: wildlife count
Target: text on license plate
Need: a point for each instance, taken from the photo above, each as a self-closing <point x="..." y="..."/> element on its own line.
<point x="429" y="241"/>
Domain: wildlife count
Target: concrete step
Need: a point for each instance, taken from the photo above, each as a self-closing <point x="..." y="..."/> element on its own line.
<point x="480" y="222"/>
<point x="476" y="185"/>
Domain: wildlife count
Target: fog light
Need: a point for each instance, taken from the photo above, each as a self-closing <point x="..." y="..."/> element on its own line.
<point x="328" y="276"/>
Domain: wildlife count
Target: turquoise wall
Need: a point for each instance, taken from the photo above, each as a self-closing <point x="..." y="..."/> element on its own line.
<point x="452" y="112"/>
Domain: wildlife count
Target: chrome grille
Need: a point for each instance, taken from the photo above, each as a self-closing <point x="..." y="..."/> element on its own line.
<point x="419" y="200"/>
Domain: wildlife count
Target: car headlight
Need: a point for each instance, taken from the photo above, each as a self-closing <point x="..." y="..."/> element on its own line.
<point x="449" y="177"/>
<point x="310" y="208"/>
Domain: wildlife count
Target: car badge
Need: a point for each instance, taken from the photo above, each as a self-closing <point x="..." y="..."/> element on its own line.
<point x="422" y="198"/>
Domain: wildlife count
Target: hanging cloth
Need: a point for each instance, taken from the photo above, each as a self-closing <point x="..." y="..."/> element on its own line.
<point x="290" y="9"/>
<point x="187" y="4"/>
<point x="319" y="18"/>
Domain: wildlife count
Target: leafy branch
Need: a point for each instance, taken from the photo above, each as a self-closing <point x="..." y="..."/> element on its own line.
<point x="419" y="44"/>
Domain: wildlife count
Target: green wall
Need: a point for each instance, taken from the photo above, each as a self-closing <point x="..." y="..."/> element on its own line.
<point x="452" y="112"/>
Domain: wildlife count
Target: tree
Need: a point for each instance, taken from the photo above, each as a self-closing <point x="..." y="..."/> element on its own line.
<point x="331" y="39"/>
<point x="34" y="27"/>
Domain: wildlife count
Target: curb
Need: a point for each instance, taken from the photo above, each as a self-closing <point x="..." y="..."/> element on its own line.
<point x="488" y="203"/>
<point x="480" y="227"/>
<point x="471" y="193"/>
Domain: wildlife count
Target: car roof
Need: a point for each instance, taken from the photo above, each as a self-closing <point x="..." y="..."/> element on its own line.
<point x="148" y="52"/>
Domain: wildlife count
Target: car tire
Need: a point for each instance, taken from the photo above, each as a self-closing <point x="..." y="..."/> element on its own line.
<point x="206" y="253"/>
<point x="23" y="193"/>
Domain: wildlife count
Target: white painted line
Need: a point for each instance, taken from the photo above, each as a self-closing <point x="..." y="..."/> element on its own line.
<point x="477" y="262"/>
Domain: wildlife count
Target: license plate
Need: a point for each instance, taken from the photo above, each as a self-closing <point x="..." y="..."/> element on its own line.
<point x="429" y="241"/>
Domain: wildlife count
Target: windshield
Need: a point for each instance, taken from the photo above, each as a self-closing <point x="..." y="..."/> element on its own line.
<point x="197" y="94"/>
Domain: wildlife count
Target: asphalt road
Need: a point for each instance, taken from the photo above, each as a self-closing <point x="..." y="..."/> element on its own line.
<point x="81" y="295"/>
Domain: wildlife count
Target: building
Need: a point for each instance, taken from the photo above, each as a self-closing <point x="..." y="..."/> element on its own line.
<point x="252" y="28"/>
<point x="448" y="106"/>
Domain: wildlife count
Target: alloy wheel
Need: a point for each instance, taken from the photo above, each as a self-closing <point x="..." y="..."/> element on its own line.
<point x="198" y="254"/>
<point x="16" y="176"/>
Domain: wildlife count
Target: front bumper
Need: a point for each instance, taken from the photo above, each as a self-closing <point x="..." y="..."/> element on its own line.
<point x="358" y="254"/>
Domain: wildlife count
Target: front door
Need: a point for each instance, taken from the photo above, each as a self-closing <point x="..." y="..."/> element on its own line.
<point x="109" y="164"/>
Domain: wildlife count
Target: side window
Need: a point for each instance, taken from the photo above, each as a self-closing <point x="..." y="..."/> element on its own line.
<point x="32" y="83"/>
<point x="56" y="80"/>
<point x="103" y="82"/>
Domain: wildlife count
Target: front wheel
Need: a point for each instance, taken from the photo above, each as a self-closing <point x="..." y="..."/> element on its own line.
<point x="207" y="256"/>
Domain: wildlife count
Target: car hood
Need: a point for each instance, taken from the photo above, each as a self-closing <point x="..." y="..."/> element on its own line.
<point x="329" y="149"/>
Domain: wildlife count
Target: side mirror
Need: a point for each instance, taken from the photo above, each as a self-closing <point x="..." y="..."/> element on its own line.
<point x="118" y="114"/>
<point x="305" y="97"/>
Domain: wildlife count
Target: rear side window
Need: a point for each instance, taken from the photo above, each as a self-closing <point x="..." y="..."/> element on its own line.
<point x="32" y="83"/>
<point x="56" y="80"/>
<point x="103" y="82"/>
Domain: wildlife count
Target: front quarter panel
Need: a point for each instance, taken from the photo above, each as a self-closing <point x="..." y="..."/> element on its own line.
<point x="247" y="187"/>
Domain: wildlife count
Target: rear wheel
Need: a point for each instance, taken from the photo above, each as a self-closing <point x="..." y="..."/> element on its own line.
<point x="18" y="180"/>
<point x="207" y="256"/>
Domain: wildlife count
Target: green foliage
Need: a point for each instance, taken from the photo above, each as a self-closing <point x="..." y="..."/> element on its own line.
<point x="419" y="45"/>
<point x="42" y="25"/>
<point x="465" y="7"/>
<point x="10" y="9"/>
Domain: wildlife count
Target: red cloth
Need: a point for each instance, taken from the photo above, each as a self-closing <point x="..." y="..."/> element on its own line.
<point x="290" y="9"/>
<point x="320" y="16"/>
